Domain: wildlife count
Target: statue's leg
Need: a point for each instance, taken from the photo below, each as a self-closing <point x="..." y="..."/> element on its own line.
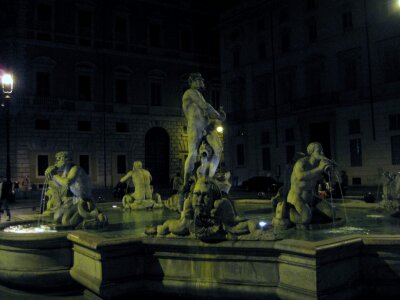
<point x="300" y="213"/>
<point x="76" y="219"/>
<point x="194" y="140"/>
<point x="127" y="201"/>
<point x="68" y="213"/>
<point x="325" y="209"/>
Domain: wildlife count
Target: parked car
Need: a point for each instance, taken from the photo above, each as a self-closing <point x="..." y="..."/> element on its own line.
<point x="261" y="184"/>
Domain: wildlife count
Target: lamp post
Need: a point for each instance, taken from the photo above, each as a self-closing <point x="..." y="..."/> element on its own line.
<point x="7" y="88"/>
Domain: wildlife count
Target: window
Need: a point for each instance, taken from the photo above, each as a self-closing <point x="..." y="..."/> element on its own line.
<point x="290" y="151"/>
<point x="284" y="15"/>
<point x="266" y="159"/>
<point x="286" y="84"/>
<point x="240" y="154"/>
<point x="121" y="28"/>
<point x="354" y="126"/>
<point x="121" y="127"/>
<point x="215" y="98"/>
<point x="289" y="134"/>
<point x="261" y="25"/>
<point x="155" y="35"/>
<point x="347" y="21"/>
<point x="261" y="91"/>
<point x="84" y="27"/>
<point x="265" y="139"/>
<point x="312" y="31"/>
<point x="44" y="21"/>
<point x="313" y="79"/>
<point x="355" y="153"/>
<point x="262" y="50"/>
<point x="121" y="91"/>
<point x="349" y="61"/>
<point x="235" y="36"/>
<point x="394" y="122"/>
<point x="311" y="5"/>
<point x="84" y="163"/>
<point x="236" y="58"/>
<point x="42" y="124"/>
<point x="42" y="164"/>
<point x="84" y="88"/>
<point x="121" y="164"/>
<point x="43" y="84"/>
<point x="356" y="180"/>
<point x="391" y="64"/>
<point x="44" y="13"/>
<point x="395" y="145"/>
<point x="350" y="74"/>
<point x="155" y="93"/>
<point x="186" y="41"/>
<point x="237" y="93"/>
<point x="285" y="40"/>
<point x="84" y="126"/>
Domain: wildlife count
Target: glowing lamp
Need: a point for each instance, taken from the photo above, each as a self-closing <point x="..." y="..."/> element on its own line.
<point x="7" y="83"/>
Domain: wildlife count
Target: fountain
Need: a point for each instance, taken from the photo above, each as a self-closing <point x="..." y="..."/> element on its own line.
<point x="206" y="245"/>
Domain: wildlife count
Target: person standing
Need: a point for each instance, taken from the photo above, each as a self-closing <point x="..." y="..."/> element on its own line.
<point x="25" y="186"/>
<point x="5" y="196"/>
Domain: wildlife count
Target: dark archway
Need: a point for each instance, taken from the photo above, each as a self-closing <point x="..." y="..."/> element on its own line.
<point x="157" y="156"/>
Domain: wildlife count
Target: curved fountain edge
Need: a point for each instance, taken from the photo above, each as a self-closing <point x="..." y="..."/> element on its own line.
<point x="35" y="261"/>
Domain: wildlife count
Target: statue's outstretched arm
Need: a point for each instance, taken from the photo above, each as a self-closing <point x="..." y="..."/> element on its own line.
<point x="126" y="177"/>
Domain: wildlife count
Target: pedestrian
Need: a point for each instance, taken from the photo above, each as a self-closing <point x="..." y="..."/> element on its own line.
<point x="16" y="189"/>
<point x="25" y="186"/>
<point x="6" y="194"/>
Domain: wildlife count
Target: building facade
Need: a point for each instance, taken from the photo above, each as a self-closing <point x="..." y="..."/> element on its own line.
<point x="104" y="80"/>
<point x="294" y="72"/>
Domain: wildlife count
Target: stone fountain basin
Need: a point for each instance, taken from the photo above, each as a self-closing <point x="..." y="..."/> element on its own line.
<point x="35" y="261"/>
<point x="121" y="261"/>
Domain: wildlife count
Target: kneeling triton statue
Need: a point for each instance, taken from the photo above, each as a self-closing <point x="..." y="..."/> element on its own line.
<point x="302" y="199"/>
<point x="70" y="195"/>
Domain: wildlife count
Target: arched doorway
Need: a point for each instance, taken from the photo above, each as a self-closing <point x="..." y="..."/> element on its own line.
<point x="157" y="155"/>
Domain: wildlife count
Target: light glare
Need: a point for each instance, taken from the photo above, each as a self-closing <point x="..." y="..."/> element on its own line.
<point x="220" y="129"/>
<point x="7" y="79"/>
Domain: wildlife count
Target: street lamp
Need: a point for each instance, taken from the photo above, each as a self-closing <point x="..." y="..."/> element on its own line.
<point x="7" y="88"/>
<point x="220" y="129"/>
<point x="7" y="84"/>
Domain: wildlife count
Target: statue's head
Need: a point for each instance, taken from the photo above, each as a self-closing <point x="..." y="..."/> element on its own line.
<point x="315" y="150"/>
<point x="205" y="192"/>
<point x="195" y="80"/>
<point x="137" y="164"/>
<point x="62" y="158"/>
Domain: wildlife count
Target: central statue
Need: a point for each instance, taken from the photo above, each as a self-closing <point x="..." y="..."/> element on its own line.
<point x="206" y="210"/>
<point x="201" y="129"/>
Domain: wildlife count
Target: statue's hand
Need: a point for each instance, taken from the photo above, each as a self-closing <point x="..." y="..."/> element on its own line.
<point x="50" y="171"/>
